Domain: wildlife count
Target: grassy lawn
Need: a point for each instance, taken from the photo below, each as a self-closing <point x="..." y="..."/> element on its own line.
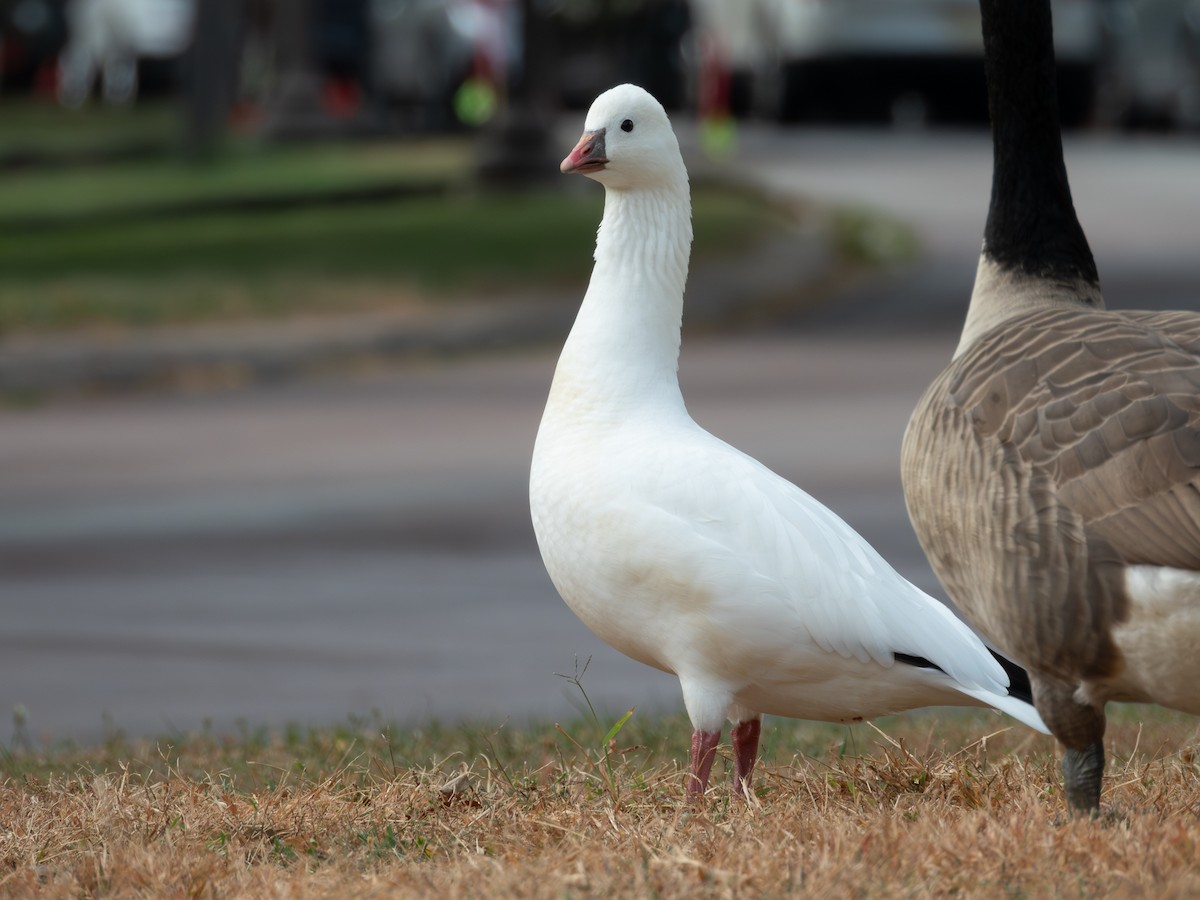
<point x="926" y="805"/>
<point x="323" y="259"/>
<point x="40" y="127"/>
<point x="57" y="196"/>
<point x="273" y="231"/>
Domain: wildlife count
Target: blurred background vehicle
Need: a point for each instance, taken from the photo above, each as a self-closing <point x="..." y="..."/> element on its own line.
<point x="1120" y="62"/>
<point x="1155" y="62"/>
<point x="441" y="64"/>
<point x="904" y="60"/>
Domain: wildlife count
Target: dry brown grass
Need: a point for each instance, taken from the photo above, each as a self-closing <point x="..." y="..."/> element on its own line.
<point x="902" y="811"/>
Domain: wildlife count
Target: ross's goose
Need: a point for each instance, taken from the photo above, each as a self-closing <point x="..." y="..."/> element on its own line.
<point x="686" y="554"/>
<point x="1052" y="470"/>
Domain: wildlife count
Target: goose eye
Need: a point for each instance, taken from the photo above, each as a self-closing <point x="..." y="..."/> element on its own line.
<point x="627" y="125"/>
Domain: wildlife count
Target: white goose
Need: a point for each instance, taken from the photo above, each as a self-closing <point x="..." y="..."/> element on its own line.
<point x="686" y="554"/>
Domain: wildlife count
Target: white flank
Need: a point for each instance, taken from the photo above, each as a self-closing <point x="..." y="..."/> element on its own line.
<point x="1159" y="642"/>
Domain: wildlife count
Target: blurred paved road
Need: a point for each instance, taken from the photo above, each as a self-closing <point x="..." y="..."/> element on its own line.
<point x="1138" y="199"/>
<point x="305" y="552"/>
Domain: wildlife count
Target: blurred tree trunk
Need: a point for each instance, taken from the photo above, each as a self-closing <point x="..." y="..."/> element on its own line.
<point x="294" y="109"/>
<point x="211" y="71"/>
<point x="518" y="149"/>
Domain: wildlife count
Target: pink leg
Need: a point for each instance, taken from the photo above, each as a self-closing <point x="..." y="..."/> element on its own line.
<point x="704" y="751"/>
<point x="745" y="752"/>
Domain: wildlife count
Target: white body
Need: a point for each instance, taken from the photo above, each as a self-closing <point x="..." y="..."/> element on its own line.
<point x="686" y="554"/>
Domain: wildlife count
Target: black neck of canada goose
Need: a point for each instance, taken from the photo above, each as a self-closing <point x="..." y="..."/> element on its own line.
<point x="1031" y="224"/>
<point x="1034" y="254"/>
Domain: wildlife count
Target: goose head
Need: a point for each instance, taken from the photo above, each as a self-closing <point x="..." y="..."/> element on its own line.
<point x="627" y="142"/>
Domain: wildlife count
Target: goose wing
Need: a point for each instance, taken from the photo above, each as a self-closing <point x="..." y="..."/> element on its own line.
<point x="785" y="560"/>
<point x="1107" y="405"/>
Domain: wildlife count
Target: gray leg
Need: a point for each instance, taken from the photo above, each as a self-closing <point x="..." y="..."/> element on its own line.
<point x="1080" y="729"/>
<point x="1082" y="773"/>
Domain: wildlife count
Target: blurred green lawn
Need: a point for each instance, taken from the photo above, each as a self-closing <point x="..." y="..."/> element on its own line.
<point x="160" y="240"/>
<point x="38" y="127"/>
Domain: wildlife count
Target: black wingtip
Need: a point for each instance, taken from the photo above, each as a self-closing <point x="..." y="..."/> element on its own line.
<point x="919" y="661"/>
<point x="1018" y="679"/>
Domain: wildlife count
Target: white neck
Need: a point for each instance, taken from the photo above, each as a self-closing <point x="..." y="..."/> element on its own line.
<point x="623" y="351"/>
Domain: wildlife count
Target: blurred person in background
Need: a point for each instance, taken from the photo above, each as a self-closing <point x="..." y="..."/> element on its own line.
<point x="107" y="38"/>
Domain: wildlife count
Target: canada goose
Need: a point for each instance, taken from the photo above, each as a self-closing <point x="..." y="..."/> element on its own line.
<point x="684" y="553"/>
<point x="1052" y="470"/>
